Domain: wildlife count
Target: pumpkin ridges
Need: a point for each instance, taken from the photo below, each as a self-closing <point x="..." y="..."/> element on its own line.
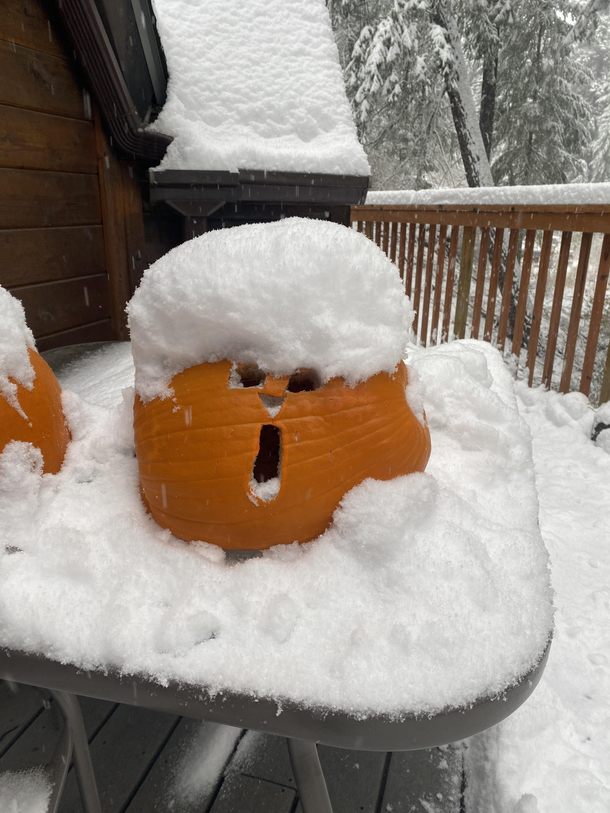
<point x="45" y="428"/>
<point x="200" y="489"/>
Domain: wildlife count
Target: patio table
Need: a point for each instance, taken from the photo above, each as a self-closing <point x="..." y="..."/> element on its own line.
<point x="303" y="726"/>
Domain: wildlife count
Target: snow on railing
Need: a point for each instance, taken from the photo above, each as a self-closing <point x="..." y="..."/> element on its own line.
<point x="522" y="271"/>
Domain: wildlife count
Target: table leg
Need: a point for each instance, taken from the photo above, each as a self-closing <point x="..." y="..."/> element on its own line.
<point x="70" y="708"/>
<point x="59" y="767"/>
<point x="309" y="777"/>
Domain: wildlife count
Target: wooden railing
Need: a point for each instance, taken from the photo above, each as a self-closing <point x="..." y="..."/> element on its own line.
<point x="499" y="273"/>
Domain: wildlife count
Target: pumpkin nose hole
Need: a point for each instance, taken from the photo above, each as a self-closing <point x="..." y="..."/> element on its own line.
<point x="267" y="471"/>
<point x="304" y="381"/>
<point x="272" y="403"/>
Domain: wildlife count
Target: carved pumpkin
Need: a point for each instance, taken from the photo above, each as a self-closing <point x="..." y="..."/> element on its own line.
<point x="247" y="461"/>
<point x="44" y="425"/>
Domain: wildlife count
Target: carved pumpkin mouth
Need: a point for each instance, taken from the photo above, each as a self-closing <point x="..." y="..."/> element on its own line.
<point x="267" y="470"/>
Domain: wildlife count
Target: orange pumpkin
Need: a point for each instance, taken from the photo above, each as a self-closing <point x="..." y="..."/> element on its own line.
<point x="212" y="457"/>
<point x="45" y="426"/>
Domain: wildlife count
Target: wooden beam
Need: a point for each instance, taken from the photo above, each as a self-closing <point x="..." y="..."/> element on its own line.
<point x="55" y="306"/>
<point x="464" y="280"/>
<point x="438" y="285"/>
<point x="543" y="269"/>
<point x="32" y="140"/>
<point x="480" y="284"/>
<point x="605" y="393"/>
<point x="30" y="23"/>
<point x="596" y="316"/>
<point x="579" y="290"/>
<point x="43" y="255"/>
<point x="493" y="285"/>
<point x="560" y="281"/>
<point x="428" y="285"/>
<point x="507" y="289"/>
<point x="524" y="283"/>
<point x="33" y="199"/>
<point x="41" y="82"/>
<point x="594" y="221"/>
<point x="113" y="206"/>
<point x="453" y="247"/>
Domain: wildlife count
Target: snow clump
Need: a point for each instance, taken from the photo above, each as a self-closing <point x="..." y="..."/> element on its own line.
<point x="15" y="340"/>
<point x="284" y="295"/>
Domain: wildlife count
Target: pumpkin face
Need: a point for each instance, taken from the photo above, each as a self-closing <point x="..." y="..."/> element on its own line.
<point x="246" y="461"/>
<point x="45" y="426"/>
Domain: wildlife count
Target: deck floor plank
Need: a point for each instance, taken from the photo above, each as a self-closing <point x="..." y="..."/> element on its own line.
<point x="263" y="756"/>
<point x="19" y="706"/>
<point x="250" y="795"/>
<point x="179" y="780"/>
<point x="353" y="778"/>
<point x="122" y="753"/>
<point x="424" y="781"/>
<point x="35" y="746"/>
<point x="142" y="760"/>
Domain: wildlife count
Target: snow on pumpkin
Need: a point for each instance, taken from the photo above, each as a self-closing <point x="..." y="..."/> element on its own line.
<point x="258" y="448"/>
<point x="30" y="395"/>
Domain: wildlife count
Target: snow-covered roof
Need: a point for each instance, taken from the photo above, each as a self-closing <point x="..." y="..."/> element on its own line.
<point x="547" y="195"/>
<point x="255" y="85"/>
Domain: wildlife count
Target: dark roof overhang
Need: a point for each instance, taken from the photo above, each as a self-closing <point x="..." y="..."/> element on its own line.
<point x="97" y="57"/>
<point x="198" y="193"/>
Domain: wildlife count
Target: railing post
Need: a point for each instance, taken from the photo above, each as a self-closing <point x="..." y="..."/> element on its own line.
<point x="401" y="231"/>
<point x="596" y="316"/>
<point x="543" y="269"/>
<point x="560" y="281"/>
<point x="605" y="393"/>
<point x="463" y="291"/>
<point x="579" y="290"/>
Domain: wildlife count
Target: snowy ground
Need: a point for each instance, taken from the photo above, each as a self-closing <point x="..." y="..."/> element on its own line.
<point x="553" y="754"/>
<point x="24" y="792"/>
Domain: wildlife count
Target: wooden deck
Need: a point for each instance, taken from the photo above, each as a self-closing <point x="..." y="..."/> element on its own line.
<point x="148" y="762"/>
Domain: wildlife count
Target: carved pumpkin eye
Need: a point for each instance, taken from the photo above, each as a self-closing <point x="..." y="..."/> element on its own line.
<point x="247" y="375"/>
<point x="304" y="381"/>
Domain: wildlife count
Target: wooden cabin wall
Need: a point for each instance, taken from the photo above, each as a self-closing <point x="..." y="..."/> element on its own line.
<point x="71" y="228"/>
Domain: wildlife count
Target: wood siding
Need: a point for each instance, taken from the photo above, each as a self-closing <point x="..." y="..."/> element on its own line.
<point x="66" y="249"/>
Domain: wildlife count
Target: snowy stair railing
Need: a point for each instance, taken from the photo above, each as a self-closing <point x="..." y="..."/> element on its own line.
<point x="531" y="252"/>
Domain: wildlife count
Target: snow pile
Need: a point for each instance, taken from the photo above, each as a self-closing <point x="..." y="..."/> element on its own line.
<point x="201" y="767"/>
<point x="255" y="85"/>
<point x="100" y="375"/>
<point x="290" y="294"/>
<point x="24" y="792"/>
<point x="549" y="195"/>
<point x="427" y="591"/>
<point x="553" y="754"/>
<point x="15" y="339"/>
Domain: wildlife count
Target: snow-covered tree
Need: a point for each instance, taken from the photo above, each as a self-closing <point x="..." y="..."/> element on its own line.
<point x="543" y="124"/>
<point x="502" y="72"/>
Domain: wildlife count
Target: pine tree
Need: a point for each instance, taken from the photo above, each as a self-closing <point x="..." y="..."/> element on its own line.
<point x="544" y="122"/>
<point x="410" y="69"/>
